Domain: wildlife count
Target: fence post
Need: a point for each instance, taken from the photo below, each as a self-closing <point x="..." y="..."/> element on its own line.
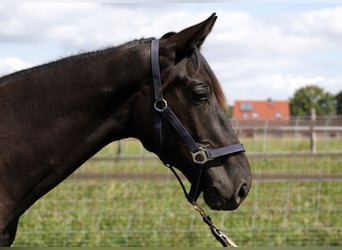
<point x="265" y="135"/>
<point x="119" y="151"/>
<point x="312" y="131"/>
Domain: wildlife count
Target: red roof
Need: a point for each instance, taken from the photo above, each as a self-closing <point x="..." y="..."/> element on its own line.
<point x="269" y="109"/>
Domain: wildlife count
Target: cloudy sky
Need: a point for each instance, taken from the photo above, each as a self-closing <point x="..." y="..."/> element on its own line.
<point x="257" y="49"/>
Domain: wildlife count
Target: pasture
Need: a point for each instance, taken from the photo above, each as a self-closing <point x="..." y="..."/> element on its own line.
<point x="294" y="201"/>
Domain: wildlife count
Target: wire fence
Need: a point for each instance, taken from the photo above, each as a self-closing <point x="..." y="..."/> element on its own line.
<point x="123" y="196"/>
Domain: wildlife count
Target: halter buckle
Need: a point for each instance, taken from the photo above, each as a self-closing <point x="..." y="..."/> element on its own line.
<point x="160" y="105"/>
<point x="200" y="156"/>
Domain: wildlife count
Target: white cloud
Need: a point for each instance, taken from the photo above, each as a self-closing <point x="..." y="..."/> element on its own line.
<point x="12" y="64"/>
<point x="274" y="56"/>
<point x="87" y="25"/>
<point x="277" y="86"/>
<point x="323" y="24"/>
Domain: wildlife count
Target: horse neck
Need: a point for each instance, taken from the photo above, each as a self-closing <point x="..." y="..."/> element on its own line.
<point x="58" y="116"/>
<point x="74" y="107"/>
<point x="108" y="87"/>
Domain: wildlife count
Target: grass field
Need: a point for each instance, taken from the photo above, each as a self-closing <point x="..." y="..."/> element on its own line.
<point x="153" y="212"/>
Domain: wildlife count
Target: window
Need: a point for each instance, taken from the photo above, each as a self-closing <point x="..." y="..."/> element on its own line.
<point x="255" y="115"/>
<point x="277" y="115"/>
<point x="246" y="106"/>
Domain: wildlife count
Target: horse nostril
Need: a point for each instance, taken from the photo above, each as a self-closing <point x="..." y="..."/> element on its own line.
<point x="242" y="193"/>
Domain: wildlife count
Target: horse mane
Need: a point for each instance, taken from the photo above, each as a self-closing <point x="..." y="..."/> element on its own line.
<point x="82" y="55"/>
<point x="196" y="58"/>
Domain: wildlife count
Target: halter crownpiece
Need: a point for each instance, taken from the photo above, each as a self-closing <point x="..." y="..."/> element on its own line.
<point x="200" y="155"/>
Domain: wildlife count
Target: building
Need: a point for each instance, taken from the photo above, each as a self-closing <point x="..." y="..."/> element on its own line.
<point x="261" y="110"/>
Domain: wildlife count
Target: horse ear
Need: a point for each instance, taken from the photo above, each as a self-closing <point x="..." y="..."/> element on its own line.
<point x="185" y="41"/>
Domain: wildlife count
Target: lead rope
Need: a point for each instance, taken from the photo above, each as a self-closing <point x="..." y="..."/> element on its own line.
<point x="218" y="234"/>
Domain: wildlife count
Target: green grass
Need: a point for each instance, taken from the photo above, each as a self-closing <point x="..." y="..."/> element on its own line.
<point x="136" y="212"/>
<point x="288" y="145"/>
<point x="154" y="213"/>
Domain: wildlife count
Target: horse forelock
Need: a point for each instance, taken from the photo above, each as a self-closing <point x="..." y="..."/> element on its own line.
<point x="220" y="96"/>
<point x="199" y="61"/>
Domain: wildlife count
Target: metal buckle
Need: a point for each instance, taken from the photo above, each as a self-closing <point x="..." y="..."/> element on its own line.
<point x="160" y="105"/>
<point x="200" y="156"/>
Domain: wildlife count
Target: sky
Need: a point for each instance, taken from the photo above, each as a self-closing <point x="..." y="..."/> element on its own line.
<point x="257" y="49"/>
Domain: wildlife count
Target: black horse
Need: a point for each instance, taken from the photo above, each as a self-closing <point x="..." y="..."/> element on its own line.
<point x="56" y="116"/>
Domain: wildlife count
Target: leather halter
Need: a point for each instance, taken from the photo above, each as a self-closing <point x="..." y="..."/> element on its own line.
<point x="200" y="155"/>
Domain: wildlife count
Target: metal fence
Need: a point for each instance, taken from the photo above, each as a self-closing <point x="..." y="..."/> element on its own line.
<point x="123" y="196"/>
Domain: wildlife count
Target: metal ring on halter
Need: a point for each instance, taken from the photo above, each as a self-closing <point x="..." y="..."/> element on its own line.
<point x="160" y="105"/>
<point x="200" y="156"/>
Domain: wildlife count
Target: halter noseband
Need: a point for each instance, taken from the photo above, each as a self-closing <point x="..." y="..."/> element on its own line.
<point x="200" y="155"/>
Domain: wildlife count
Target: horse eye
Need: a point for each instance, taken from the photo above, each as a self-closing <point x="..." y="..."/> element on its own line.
<point x="200" y="93"/>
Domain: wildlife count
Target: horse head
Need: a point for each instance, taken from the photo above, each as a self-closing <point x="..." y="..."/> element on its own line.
<point x="194" y="96"/>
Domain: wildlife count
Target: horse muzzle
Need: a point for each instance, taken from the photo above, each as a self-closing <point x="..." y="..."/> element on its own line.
<point x="225" y="190"/>
<point x="218" y="198"/>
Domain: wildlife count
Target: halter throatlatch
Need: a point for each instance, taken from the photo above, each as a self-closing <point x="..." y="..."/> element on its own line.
<point x="199" y="154"/>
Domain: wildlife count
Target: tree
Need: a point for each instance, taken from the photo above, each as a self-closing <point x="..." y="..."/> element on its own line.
<point x="338" y="100"/>
<point x="310" y="97"/>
